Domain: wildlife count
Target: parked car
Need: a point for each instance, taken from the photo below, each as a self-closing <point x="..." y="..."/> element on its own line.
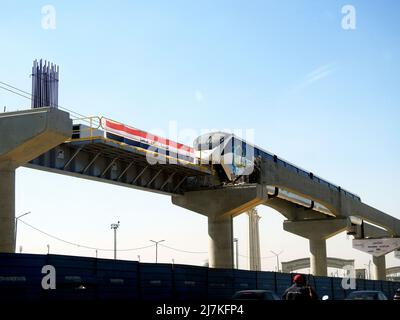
<point x="397" y="295"/>
<point x="255" y="295"/>
<point x="367" y="295"/>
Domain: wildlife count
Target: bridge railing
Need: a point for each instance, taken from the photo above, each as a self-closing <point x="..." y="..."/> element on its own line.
<point x="86" y="128"/>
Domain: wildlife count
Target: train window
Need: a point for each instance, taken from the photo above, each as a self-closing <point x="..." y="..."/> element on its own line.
<point x="304" y="173"/>
<point x="281" y="163"/>
<point x="324" y="182"/>
<point x="268" y="156"/>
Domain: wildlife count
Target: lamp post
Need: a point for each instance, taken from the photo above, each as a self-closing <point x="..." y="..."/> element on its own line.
<point x="115" y="226"/>
<point x="236" y="241"/>
<point x="277" y="259"/>
<point x="16" y="226"/>
<point x="157" y="242"/>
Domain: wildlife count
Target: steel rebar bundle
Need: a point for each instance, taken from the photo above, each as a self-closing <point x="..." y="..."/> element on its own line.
<point x="44" y="84"/>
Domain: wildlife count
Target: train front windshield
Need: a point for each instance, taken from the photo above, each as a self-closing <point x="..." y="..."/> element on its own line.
<point x="209" y="141"/>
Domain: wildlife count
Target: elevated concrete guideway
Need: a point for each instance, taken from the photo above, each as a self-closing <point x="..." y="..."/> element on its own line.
<point x="303" y="221"/>
<point x="24" y="136"/>
<point x="49" y="143"/>
<point x="337" y="202"/>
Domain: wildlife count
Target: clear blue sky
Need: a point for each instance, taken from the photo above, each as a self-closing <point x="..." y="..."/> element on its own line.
<point x="324" y="98"/>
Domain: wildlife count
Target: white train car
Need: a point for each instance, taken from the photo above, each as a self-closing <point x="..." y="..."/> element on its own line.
<point x="131" y="136"/>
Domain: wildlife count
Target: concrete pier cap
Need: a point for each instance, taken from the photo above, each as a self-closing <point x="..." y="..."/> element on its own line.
<point x="317" y="231"/>
<point x="220" y="206"/>
<point x="24" y="135"/>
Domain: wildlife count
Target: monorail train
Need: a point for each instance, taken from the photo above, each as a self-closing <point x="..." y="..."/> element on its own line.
<point x="237" y="157"/>
<point x="233" y="155"/>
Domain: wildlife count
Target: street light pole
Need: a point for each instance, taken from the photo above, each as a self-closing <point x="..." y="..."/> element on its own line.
<point x="115" y="226"/>
<point x="277" y="259"/>
<point x="236" y="241"/>
<point x="16" y="226"/>
<point x="157" y="242"/>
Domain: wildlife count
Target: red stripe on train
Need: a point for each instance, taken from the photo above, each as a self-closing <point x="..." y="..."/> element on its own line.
<point x="146" y="135"/>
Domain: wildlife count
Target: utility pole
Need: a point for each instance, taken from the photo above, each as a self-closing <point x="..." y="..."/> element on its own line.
<point x="157" y="242"/>
<point x="277" y="259"/>
<point x="115" y="226"/>
<point x="236" y="241"/>
<point x="16" y="225"/>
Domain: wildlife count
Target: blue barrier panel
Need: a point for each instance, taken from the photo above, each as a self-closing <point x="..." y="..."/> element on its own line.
<point x="63" y="263"/>
<point x="322" y="285"/>
<point x="190" y="282"/>
<point x="266" y="280"/>
<point x="75" y="278"/>
<point x="117" y="280"/>
<point x="116" y="268"/>
<point x="338" y="291"/>
<point x="116" y="265"/>
<point x="20" y="276"/>
<point x="117" y="288"/>
<point x="393" y="287"/>
<point x="379" y="285"/>
<point x="80" y="278"/>
<point x="369" y="285"/>
<point x="220" y="284"/>
<point x="155" y="281"/>
<point x="283" y="281"/>
<point x="244" y="280"/>
<point x="360" y="284"/>
<point x="386" y="289"/>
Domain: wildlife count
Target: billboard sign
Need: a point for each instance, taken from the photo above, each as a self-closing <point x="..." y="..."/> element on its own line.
<point x="377" y="247"/>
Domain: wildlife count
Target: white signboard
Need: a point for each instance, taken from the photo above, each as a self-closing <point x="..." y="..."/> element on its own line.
<point x="397" y="254"/>
<point x="377" y="247"/>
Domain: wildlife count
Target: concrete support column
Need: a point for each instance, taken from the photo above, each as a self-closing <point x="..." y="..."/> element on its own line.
<point x="318" y="258"/>
<point x="254" y="240"/>
<point x="379" y="267"/>
<point x="24" y="135"/>
<point x="7" y="210"/>
<point x="220" y="232"/>
<point x="317" y="231"/>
